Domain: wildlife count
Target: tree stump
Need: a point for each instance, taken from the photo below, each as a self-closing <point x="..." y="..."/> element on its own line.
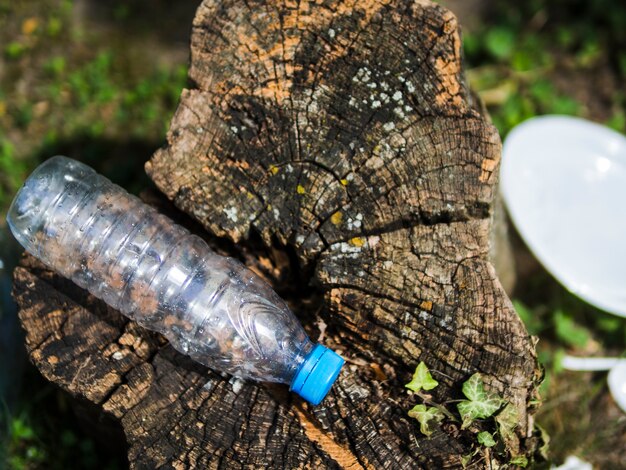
<point x="336" y="144"/>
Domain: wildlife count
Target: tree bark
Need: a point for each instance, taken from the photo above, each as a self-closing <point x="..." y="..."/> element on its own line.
<point x="336" y="144"/>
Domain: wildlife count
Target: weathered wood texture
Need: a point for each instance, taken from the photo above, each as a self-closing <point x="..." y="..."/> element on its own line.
<point x="340" y="140"/>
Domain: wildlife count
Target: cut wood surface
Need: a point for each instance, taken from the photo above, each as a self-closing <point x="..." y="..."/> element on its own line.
<point x="335" y="146"/>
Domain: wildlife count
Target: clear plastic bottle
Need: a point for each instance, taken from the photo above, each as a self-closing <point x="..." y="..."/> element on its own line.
<point x="155" y="272"/>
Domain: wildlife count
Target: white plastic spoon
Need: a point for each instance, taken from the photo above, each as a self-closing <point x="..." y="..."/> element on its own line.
<point x="563" y="180"/>
<point x="617" y="384"/>
<point x="564" y="183"/>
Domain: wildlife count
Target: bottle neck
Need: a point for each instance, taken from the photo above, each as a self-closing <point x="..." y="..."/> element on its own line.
<point x="305" y="351"/>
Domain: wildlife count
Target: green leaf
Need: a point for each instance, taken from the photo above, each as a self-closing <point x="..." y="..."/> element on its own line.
<point x="545" y="439"/>
<point x="14" y="50"/>
<point x="480" y="403"/>
<point x="425" y="415"/>
<point x="520" y="461"/>
<point x="500" y="42"/>
<point x="485" y="438"/>
<point x="21" y="431"/>
<point x="564" y="105"/>
<point x="568" y="331"/>
<point x="422" y="379"/>
<point x="507" y="420"/>
<point x="543" y="91"/>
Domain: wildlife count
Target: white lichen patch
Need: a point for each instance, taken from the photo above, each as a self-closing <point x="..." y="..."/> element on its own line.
<point x="331" y="33"/>
<point x="410" y="87"/>
<point x="376" y="104"/>
<point x="362" y="75"/>
<point x="231" y="213"/>
<point x="446" y="321"/>
<point x="300" y="239"/>
<point x="348" y="248"/>
<point x="398" y="112"/>
<point x="354" y="224"/>
<point x="118" y="356"/>
<point x="397" y="96"/>
<point x="389" y="126"/>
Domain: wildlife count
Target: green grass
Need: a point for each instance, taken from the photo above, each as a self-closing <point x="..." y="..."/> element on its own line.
<point x="44" y="433"/>
<point x="533" y="58"/>
<point x="103" y="96"/>
<point x="514" y="59"/>
<point x="77" y="87"/>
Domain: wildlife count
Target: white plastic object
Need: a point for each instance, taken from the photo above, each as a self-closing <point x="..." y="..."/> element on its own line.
<point x="589" y="364"/>
<point x="617" y="384"/>
<point x="209" y="307"/>
<point x="574" y="463"/>
<point x="564" y="183"/>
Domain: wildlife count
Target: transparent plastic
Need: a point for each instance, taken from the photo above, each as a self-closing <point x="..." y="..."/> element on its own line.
<point x="155" y="272"/>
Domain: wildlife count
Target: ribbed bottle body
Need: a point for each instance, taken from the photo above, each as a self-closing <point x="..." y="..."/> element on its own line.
<point x="155" y="272"/>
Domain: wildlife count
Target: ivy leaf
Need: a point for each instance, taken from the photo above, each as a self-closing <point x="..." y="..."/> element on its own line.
<point x="507" y="420"/>
<point x="480" y="402"/>
<point x="425" y="415"/>
<point x="520" y="461"/>
<point x="485" y="438"/>
<point x="545" y="439"/>
<point x="422" y="379"/>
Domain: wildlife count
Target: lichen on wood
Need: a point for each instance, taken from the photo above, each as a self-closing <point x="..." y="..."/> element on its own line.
<point x="340" y="136"/>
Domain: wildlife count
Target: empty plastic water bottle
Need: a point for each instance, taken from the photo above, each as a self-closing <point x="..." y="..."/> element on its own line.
<point x="155" y="272"/>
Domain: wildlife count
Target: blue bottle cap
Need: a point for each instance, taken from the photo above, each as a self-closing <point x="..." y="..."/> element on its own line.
<point x="317" y="374"/>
